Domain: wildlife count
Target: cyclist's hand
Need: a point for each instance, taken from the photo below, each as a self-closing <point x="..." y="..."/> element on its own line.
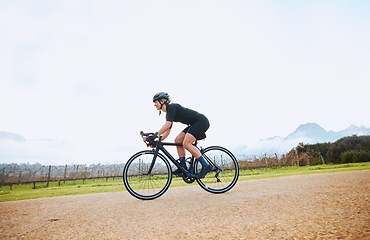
<point x="146" y="140"/>
<point x="151" y="138"/>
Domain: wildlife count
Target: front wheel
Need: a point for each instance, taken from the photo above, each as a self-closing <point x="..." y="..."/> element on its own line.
<point x="142" y="184"/>
<point x="225" y="172"/>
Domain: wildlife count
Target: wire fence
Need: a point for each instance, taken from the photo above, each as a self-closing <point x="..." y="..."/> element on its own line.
<point x="293" y="158"/>
<point x="11" y="174"/>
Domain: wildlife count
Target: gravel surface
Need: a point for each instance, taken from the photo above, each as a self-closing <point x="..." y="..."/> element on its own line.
<point x="318" y="206"/>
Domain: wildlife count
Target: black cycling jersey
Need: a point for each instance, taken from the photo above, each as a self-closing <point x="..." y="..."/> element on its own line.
<point x="197" y="123"/>
<point x="178" y="113"/>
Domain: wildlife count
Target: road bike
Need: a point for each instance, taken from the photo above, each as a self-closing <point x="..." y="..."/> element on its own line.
<point x="148" y="174"/>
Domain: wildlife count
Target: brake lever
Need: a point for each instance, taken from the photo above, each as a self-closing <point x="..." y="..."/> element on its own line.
<point x="145" y="140"/>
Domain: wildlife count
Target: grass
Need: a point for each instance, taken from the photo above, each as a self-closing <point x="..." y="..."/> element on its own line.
<point x="22" y="192"/>
<point x="26" y="191"/>
<point x="304" y="170"/>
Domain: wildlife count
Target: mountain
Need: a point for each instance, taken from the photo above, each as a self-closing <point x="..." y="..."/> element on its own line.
<point x="360" y="131"/>
<point x="309" y="130"/>
<point x="11" y="137"/>
<point x="308" y="133"/>
<point x="15" y="148"/>
<point x="314" y="133"/>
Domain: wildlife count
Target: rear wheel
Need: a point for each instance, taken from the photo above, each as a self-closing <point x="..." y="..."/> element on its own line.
<point x="146" y="186"/>
<point x="225" y="172"/>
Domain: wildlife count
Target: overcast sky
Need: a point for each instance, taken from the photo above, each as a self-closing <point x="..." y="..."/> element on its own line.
<point x="85" y="72"/>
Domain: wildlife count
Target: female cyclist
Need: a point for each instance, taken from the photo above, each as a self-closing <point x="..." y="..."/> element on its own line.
<point x="197" y="123"/>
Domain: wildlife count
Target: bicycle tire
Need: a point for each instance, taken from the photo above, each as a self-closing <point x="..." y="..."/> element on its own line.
<point x="229" y="170"/>
<point x="141" y="185"/>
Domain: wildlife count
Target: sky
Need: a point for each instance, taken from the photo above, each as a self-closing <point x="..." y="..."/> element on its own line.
<point x="77" y="78"/>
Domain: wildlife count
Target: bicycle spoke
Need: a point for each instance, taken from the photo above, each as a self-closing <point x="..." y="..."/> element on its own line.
<point x="140" y="183"/>
<point x="228" y="170"/>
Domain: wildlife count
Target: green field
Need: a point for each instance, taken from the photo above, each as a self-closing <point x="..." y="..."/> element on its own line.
<point x="21" y="192"/>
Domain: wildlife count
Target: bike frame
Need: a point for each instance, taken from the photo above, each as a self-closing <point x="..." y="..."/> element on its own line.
<point x="160" y="146"/>
<point x="148" y="187"/>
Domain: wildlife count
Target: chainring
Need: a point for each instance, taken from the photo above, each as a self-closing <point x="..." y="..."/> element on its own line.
<point x="188" y="180"/>
<point x="189" y="165"/>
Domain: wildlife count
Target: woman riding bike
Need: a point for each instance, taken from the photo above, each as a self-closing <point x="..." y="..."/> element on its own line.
<point x="197" y="123"/>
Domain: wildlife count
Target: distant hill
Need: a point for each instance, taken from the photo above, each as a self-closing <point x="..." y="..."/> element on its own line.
<point x="15" y="148"/>
<point x="11" y="136"/>
<point x="315" y="133"/>
<point x="308" y="133"/>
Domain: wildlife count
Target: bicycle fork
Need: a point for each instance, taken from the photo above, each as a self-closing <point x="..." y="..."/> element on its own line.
<point x="153" y="161"/>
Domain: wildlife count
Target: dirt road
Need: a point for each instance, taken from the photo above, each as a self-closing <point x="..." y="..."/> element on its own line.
<point x="329" y="206"/>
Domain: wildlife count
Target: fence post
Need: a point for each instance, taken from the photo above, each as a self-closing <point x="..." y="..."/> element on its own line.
<point x="47" y="184"/>
<point x="322" y="159"/>
<point x="20" y="178"/>
<point x="85" y="175"/>
<point x="65" y="174"/>
<point x="277" y="159"/>
<point x="296" y="152"/>
<point x="266" y="161"/>
<point x="2" y="177"/>
<point x="77" y="173"/>
<point x="30" y="176"/>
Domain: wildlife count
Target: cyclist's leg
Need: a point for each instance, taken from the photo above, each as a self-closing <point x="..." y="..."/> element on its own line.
<point x="196" y="131"/>
<point x="181" y="152"/>
<point x="188" y="141"/>
<point x="188" y="144"/>
<point x="180" y="149"/>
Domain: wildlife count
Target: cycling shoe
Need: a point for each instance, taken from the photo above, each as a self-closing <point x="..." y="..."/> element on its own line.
<point x="178" y="172"/>
<point x="204" y="171"/>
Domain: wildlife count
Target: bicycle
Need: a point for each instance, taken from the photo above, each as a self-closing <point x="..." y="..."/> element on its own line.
<point x="148" y="174"/>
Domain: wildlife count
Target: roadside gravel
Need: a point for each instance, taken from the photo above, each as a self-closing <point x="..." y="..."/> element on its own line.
<point x="318" y="206"/>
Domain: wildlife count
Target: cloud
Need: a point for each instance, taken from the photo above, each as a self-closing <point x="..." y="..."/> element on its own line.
<point x="50" y="151"/>
<point x="86" y="71"/>
<point x="271" y="147"/>
<point x="42" y="151"/>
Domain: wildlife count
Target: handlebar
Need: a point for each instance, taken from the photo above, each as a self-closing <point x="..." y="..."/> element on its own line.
<point x="150" y="141"/>
<point x="149" y="138"/>
<point x="145" y="134"/>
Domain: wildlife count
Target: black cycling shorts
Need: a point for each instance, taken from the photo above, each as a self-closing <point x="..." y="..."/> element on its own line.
<point x="199" y="127"/>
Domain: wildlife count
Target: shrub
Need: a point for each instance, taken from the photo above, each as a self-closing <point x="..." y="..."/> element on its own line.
<point x="354" y="157"/>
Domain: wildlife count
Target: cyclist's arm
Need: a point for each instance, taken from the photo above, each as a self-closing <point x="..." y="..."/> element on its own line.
<point x="165" y="130"/>
<point x="165" y="134"/>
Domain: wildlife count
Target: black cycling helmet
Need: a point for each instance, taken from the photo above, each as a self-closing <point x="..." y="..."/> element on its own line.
<point x="161" y="95"/>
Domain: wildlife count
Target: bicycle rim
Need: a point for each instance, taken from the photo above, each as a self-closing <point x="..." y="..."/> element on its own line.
<point x="146" y="186"/>
<point x="228" y="172"/>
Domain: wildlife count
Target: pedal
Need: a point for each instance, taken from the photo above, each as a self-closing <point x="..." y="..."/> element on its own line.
<point x="188" y="180"/>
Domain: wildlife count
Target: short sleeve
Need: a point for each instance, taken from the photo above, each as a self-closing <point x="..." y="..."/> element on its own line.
<point x="171" y="113"/>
